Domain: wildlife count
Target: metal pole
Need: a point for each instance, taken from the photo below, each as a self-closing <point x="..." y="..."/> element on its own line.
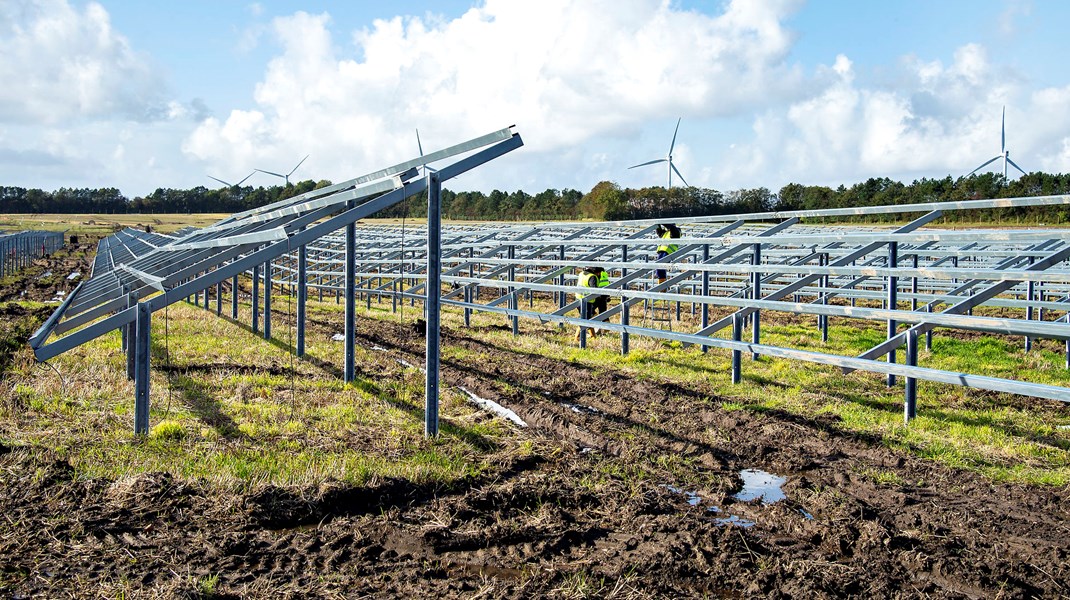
<point x="256" y="299"/>
<point x="893" y="299"/>
<point x="756" y="291"/>
<point x="351" y="299"/>
<point x="141" y="370"/>
<point x="823" y="320"/>
<point x="737" y="355"/>
<point x="302" y="297"/>
<point x="705" y="292"/>
<point x="433" y="301"/>
<point x="131" y="339"/>
<point x="267" y="299"/>
<point x="910" y="405"/>
<point x="234" y="298"/>
<point x="512" y="292"/>
<point x="583" y="315"/>
<point x="219" y="298"/>
<point x="625" y="316"/>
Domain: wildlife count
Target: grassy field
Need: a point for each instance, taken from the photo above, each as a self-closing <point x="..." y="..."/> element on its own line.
<point x="104" y="224"/>
<point x="234" y="409"/>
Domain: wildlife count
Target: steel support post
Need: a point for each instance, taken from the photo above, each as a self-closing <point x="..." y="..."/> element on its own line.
<point x="302" y="298"/>
<point x="561" y="299"/>
<point x="893" y="300"/>
<point x="351" y="298"/>
<point x="910" y="403"/>
<point x="929" y="335"/>
<point x="1030" y="293"/>
<point x="468" y="309"/>
<point x="234" y="297"/>
<point x="433" y="291"/>
<point x="267" y="300"/>
<point x="512" y="292"/>
<point x="914" y="286"/>
<point x="625" y="316"/>
<point x="756" y="292"/>
<point x="705" y="316"/>
<point x="823" y="320"/>
<point x="737" y="355"/>
<point x="141" y="370"/>
<point x="256" y="299"/>
<point x="219" y="298"/>
<point x="130" y="333"/>
<point x="583" y="330"/>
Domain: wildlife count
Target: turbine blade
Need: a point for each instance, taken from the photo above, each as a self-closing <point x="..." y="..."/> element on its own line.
<point x="418" y="144"/>
<point x="677" y="171"/>
<point x="271" y="173"/>
<point x="1003" y="132"/>
<point x="652" y="162"/>
<point x="673" y="144"/>
<point x="246" y="177"/>
<point x="1015" y="166"/>
<point x="298" y="165"/>
<point x="221" y="181"/>
<point x="986" y="163"/>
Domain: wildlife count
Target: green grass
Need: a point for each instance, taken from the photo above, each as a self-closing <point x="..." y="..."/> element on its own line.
<point x="995" y="434"/>
<point x="227" y="407"/>
<point x="227" y="410"/>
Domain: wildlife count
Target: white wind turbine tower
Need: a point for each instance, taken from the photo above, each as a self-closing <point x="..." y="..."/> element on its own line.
<point x="1004" y="153"/>
<point x="286" y="176"/>
<point x="667" y="159"/>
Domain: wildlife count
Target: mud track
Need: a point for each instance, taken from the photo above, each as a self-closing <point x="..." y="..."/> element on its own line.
<point x="535" y="527"/>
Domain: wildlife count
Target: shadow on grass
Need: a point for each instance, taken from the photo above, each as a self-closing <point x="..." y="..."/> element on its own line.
<point x="199" y="400"/>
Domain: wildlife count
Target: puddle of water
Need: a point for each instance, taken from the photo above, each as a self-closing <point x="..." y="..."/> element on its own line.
<point x="379" y="348"/>
<point x="809" y="517"/>
<point x="733" y="520"/>
<point x="586" y="450"/>
<point x="74" y="276"/>
<point x="760" y="484"/>
<point x="1062" y="427"/>
<point x="494" y="407"/>
<point x="338" y="337"/>
<point x="692" y="498"/>
<point x="579" y="408"/>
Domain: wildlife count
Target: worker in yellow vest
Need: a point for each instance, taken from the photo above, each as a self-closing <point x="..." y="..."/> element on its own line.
<point x="668" y="231"/>
<point x="592" y="277"/>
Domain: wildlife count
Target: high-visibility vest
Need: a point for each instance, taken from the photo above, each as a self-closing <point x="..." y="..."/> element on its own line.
<point x="590" y="280"/>
<point x="667" y="248"/>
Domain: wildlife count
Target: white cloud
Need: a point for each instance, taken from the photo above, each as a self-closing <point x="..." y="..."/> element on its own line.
<point x="60" y="63"/>
<point x="564" y="71"/>
<point x="937" y="120"/>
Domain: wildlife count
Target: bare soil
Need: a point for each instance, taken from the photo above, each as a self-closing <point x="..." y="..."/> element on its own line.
<point x="535" y="526"/>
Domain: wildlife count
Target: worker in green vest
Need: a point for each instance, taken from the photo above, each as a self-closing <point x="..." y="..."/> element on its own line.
<point x="666" y="232"/>
<point x="592" y="277"/>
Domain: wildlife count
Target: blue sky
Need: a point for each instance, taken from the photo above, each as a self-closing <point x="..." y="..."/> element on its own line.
<point x="140" y="95"/>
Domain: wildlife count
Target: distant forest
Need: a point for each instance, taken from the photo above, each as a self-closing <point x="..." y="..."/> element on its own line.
<point x="606" y="201"/>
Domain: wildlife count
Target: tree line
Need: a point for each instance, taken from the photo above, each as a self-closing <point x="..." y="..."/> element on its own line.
<point x="606" y="201"/>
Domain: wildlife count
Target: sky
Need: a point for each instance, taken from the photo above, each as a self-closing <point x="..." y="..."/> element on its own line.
<point x="145" y="95"/>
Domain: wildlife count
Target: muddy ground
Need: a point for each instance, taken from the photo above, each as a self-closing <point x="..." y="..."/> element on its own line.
<point x="533" y="527"/>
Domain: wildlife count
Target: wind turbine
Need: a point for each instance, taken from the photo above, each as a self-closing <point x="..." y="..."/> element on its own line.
<point x="667" y="159"/>
<point x="423" y="169"/>
<point x="1004" y="153"/>
<point x="229" y="185"/>
<point x="286" y="176"/>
